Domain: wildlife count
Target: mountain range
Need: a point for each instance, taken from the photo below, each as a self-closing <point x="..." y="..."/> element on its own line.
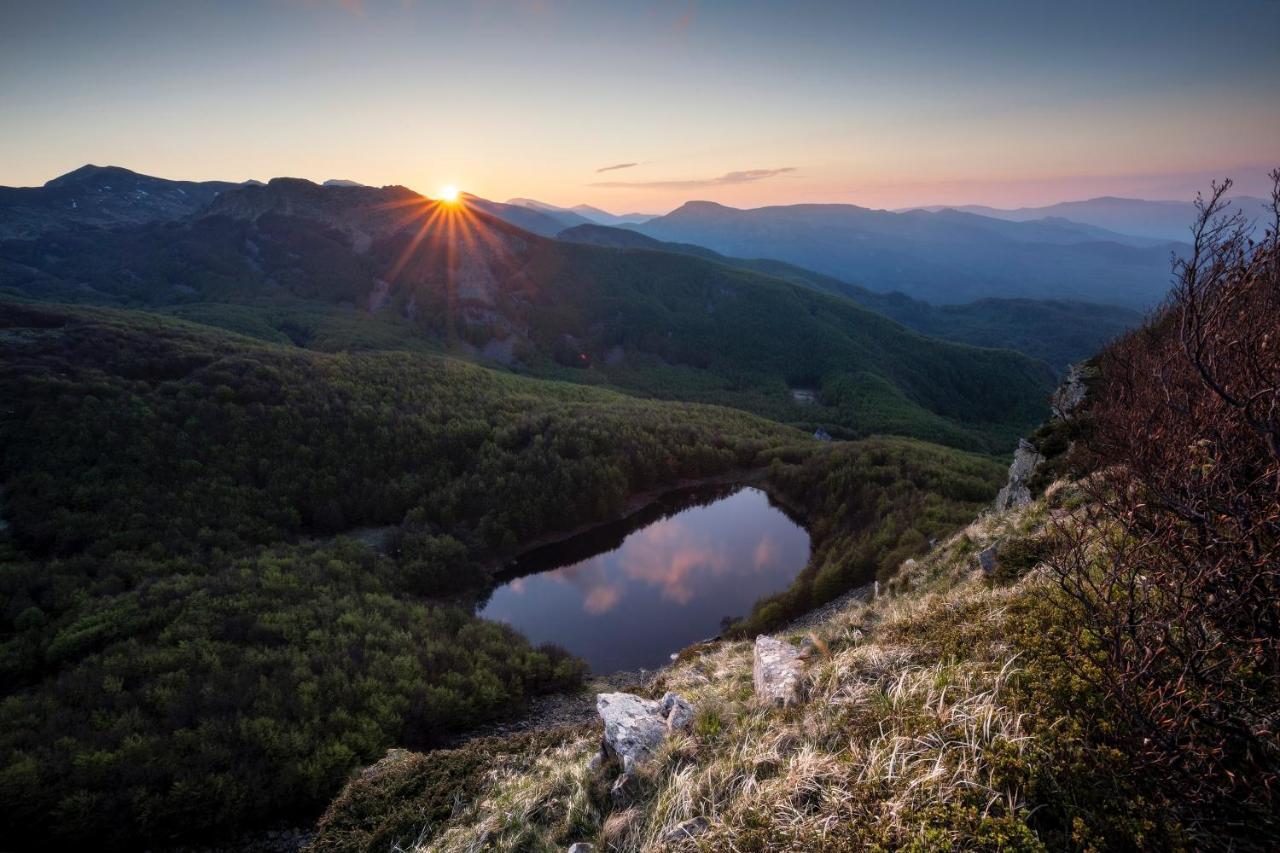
<point x="943" y="257"/>
<point x="1159" y="220"/>
<point x="581" y="214"/>
<point x="343" y="267"/>
<point x="1057" y="331"/>
<point x="102" y="196"/>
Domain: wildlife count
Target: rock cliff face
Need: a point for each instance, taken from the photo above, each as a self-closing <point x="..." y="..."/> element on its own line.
<point x="1016" y="492"/>
<point x="1028" y="458"/>
<point x="1070" y="393"/>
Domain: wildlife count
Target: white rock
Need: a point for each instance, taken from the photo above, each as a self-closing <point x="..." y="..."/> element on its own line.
<point x="1016" y="492"/>
<point x="633" y="727"/>
<point x="1070" y="393"/>
<point x="778" y="671"/>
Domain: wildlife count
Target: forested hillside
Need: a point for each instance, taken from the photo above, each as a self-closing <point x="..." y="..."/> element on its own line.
<point x="353" y="267"/>
<point x="1060" y="332"/>
<point x="185" y="647"/>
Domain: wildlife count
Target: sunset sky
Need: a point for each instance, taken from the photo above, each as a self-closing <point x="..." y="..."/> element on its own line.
<point x="879" y="104"/>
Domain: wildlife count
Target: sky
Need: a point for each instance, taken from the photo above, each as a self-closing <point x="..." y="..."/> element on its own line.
<point x="640" y="106"/>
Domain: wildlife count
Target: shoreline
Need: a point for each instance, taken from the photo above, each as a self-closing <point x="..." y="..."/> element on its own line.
<point x="633" y="506"/>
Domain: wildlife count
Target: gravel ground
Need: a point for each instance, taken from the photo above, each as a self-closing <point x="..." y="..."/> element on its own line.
<point x="562" y="709"/>
<point x="826" y="611"/>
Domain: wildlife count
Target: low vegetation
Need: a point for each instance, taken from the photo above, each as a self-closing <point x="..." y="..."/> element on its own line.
<point x="1179" y="608"/>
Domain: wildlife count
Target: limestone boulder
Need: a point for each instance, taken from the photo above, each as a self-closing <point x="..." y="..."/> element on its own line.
<point x="634" y="728"/>
<point x="778" y="672"/>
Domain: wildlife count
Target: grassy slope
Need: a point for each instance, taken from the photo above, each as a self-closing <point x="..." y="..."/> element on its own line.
<point x="938" y="717"/>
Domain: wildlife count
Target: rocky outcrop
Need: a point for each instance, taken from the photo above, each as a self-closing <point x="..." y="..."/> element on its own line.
<point x="677" y="712"/>
<point x="1016" y="491"/>
<point x="1070" y="393"/>
<point x="634" y="728"/>
<point x="1027" y="458"/>
<point x="778" y="672"/>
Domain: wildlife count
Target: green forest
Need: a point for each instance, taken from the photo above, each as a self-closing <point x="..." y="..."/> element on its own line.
<point x="279" y="263"/>
<point x="189" y="645"/>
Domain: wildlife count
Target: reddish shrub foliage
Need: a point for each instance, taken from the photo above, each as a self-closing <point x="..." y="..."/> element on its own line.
<point x="1182" y="597"/>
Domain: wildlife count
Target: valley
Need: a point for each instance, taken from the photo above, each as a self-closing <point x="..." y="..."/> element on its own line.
<point x="554" y="426"/>
<point x="424" y="275"/>
<point x="176" y="587"/>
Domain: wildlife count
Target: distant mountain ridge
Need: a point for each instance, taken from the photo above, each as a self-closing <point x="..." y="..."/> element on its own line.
<point x="1059" y="332"/>
<point x="292" y="259"/>
<point x="943" y="257"/>
<point x="583" y="211"/>
<point x="545" y="222"/>
<point x="1162" y="220"/>
<point x="100" y="197"/>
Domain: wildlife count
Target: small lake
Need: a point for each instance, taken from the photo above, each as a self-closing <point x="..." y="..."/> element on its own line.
<point x="628" y="595"/>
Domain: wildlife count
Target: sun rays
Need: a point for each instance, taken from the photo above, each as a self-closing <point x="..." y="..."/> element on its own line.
<point x="453" y="247"/>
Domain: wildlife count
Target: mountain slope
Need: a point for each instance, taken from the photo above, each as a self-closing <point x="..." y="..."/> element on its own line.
<point x="543" y="220"/>
<point x="1163" y="220"/>
<point x="943" y="257"/>
<point x="102" y="197"/>
<point x="658" y="324"/>
<point x="1056" y="331"/>
<point x="581" y="214"/>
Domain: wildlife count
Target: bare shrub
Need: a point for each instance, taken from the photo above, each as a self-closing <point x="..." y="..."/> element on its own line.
<point x="1177" y="571"/>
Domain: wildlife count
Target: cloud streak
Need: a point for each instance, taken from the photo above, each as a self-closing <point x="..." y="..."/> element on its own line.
<point x="616" y="167"/>
<point x="727" y="179"/>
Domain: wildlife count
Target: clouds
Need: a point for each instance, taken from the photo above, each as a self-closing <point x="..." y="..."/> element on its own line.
<point x="747" y="176"/>
<point x="616" y="167"/>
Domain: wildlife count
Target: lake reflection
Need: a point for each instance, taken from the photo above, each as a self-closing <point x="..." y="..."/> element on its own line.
<point x="666" y="585"/>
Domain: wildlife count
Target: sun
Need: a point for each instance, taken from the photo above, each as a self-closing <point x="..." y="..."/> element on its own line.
<point x="447" y="194"/>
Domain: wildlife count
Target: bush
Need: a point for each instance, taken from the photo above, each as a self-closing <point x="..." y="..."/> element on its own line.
<point x="1182" y="590"/>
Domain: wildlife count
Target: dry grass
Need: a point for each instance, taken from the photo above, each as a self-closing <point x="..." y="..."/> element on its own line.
<point x="895" y="727"/>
